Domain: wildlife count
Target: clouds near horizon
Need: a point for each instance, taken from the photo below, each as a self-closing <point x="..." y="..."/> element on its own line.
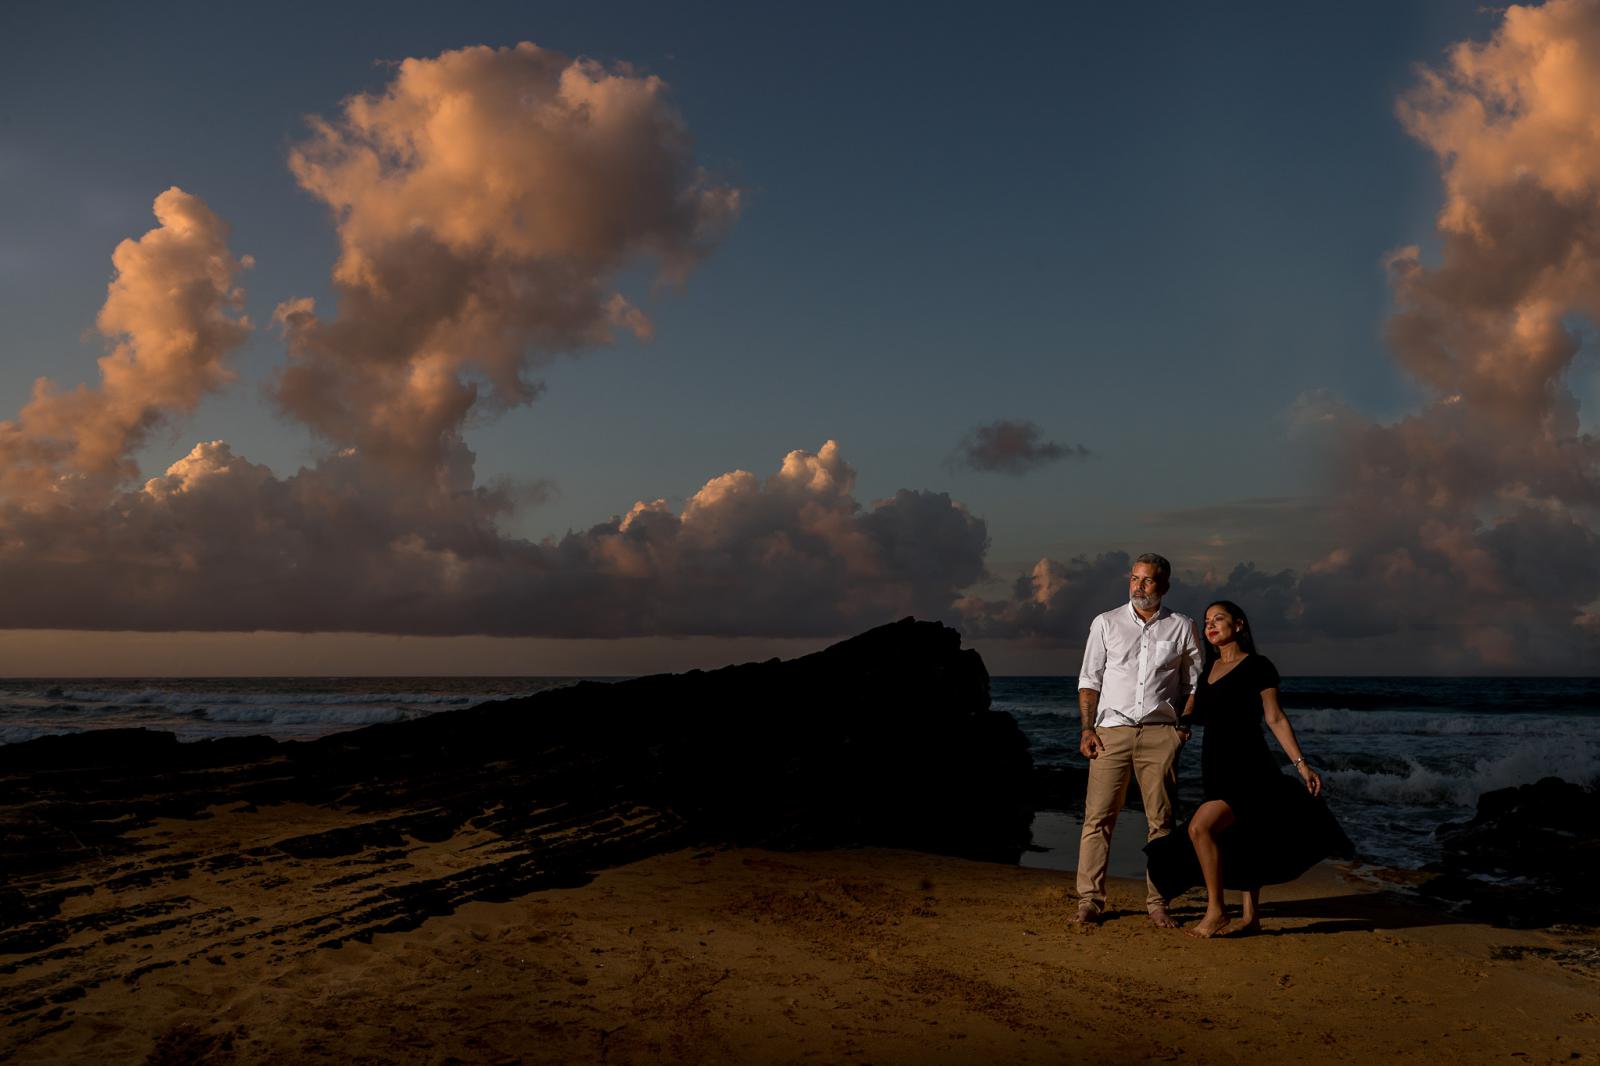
<point x="491" y="206"/>
<point x="486" y="202"/>
<point x="219" y="542"/>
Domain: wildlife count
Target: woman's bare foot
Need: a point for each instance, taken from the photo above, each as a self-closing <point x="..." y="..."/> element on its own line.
<point x="1209" y="926"/>
<point x="1249" y="916"/>
<point x="1247" y="928"/>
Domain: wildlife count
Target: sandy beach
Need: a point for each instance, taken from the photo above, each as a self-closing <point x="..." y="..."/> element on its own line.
<point x="751" y="955"/>
<point x="604" y="873"/>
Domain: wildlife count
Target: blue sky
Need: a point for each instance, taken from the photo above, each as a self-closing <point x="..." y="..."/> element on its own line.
<point x="1150" y="230"/>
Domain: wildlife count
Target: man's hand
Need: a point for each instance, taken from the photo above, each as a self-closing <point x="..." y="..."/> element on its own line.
<point x="1088" y="707"/>
<point x="1184" y="733"/>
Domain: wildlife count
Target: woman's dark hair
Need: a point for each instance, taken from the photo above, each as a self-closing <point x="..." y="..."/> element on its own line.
<point x="1245" y="635"/>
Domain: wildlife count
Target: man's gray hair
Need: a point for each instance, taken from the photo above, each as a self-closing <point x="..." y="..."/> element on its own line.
<point x="1163" y="568"/>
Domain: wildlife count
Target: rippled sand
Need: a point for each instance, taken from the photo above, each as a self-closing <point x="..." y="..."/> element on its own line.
<point x="759" y="956"/>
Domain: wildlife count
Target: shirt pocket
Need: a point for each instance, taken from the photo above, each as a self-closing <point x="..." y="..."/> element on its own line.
<point x="1163" y="653"/>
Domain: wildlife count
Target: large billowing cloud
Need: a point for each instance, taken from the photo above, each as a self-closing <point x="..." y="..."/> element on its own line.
<point x="486" y="203"/>
<point x="171" y="311"/>
<point x="1466" y="530"/>
<point x="486" y="200"/>
<point x="1471" y="523"/>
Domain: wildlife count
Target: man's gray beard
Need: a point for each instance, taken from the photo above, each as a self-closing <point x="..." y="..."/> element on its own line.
<point x="1145" y="603"/>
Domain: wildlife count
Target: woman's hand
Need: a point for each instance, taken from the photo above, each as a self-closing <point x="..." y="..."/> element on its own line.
<point x="1312" y="779"/>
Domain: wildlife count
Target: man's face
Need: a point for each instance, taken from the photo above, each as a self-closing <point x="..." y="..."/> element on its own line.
<point x="1145" y="589"/>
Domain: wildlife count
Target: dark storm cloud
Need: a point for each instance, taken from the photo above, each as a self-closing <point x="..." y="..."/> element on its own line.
<point x="1011" y="447"/>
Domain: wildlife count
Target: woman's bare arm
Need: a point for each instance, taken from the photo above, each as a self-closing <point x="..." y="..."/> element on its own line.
<point x="1278" y="722"/>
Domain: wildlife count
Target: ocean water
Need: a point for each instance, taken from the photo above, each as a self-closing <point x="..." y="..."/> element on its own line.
<point x="1399" y="756"/>
<point x="287" y="708"/>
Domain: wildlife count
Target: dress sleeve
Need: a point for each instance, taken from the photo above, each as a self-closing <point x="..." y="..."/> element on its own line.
<point x="1266" y="673"/>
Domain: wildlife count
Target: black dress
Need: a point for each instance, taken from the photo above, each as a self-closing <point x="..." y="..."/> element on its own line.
<point x="1281" y="830"/>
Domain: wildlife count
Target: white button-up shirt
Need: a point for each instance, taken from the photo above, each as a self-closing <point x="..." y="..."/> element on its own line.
<point x="1144" y="671"/>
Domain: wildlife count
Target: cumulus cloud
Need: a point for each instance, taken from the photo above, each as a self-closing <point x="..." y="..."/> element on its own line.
<point x="218" y="542"/>
<point x="1467" y="528"/>
<point x="1445" y="510"/>
<point x="1053" y="602"/>
<point x="1011" y="447"/>
<point x="486" y="201"/>
<point x="172" y="313"/>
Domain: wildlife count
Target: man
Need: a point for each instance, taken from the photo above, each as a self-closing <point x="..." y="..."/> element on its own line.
<point x="1140" y="666"/>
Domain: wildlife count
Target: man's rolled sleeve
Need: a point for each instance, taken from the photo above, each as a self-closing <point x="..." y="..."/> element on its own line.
<point x="1193" y="660"/>
<point x="1093" y="671"/>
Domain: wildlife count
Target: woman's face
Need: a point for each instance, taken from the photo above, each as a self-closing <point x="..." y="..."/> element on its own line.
<point x="1220" y="626"/>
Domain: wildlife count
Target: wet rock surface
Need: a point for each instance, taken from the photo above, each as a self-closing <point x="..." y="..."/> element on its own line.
<point x="125" y="852"/>
<point x="1526" y="859"/>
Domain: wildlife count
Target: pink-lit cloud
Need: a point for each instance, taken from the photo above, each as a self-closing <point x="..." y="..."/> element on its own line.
<point x="172" y="315"/>
<point x="486" y="201"/>
<point x="218" y="542"/>
<point x="487" y="204"/>
<point x="1467" y="529"/>
<point x="1473" y="519"/>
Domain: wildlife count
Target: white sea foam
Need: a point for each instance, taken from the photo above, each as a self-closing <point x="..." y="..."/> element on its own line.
<point x="1337" y="720"/>
<point x="280" y="715"/>
<point x="122" y="697"/>
<point x="1425" y="787"/>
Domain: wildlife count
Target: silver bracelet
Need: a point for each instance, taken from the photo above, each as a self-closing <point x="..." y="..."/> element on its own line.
<point x="1301" y="761"/>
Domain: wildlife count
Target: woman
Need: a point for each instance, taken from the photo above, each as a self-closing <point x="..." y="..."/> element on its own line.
<point x="1256" y="827"/>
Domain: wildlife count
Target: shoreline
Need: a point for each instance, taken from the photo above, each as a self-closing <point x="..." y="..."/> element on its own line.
<point x="578" y="876"/>
<point x="744" y="954"/>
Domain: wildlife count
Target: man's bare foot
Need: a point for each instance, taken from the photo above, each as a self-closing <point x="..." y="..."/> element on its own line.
<point x="1088" y="913"/>
<point x="1161" y="919"/>
<point x="1249" y="928"/>
<point x="1209" y="926"/>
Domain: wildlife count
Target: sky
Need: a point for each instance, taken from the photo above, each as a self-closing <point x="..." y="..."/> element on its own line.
<point x="608" y="338"/>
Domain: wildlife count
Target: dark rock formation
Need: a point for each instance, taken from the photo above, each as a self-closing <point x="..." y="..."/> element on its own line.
<point x="1527" y="858"/>
<point x="884" y="739"/>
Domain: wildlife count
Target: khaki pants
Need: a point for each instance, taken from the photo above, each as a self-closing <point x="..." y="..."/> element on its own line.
<point x="1145" y="752"/>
